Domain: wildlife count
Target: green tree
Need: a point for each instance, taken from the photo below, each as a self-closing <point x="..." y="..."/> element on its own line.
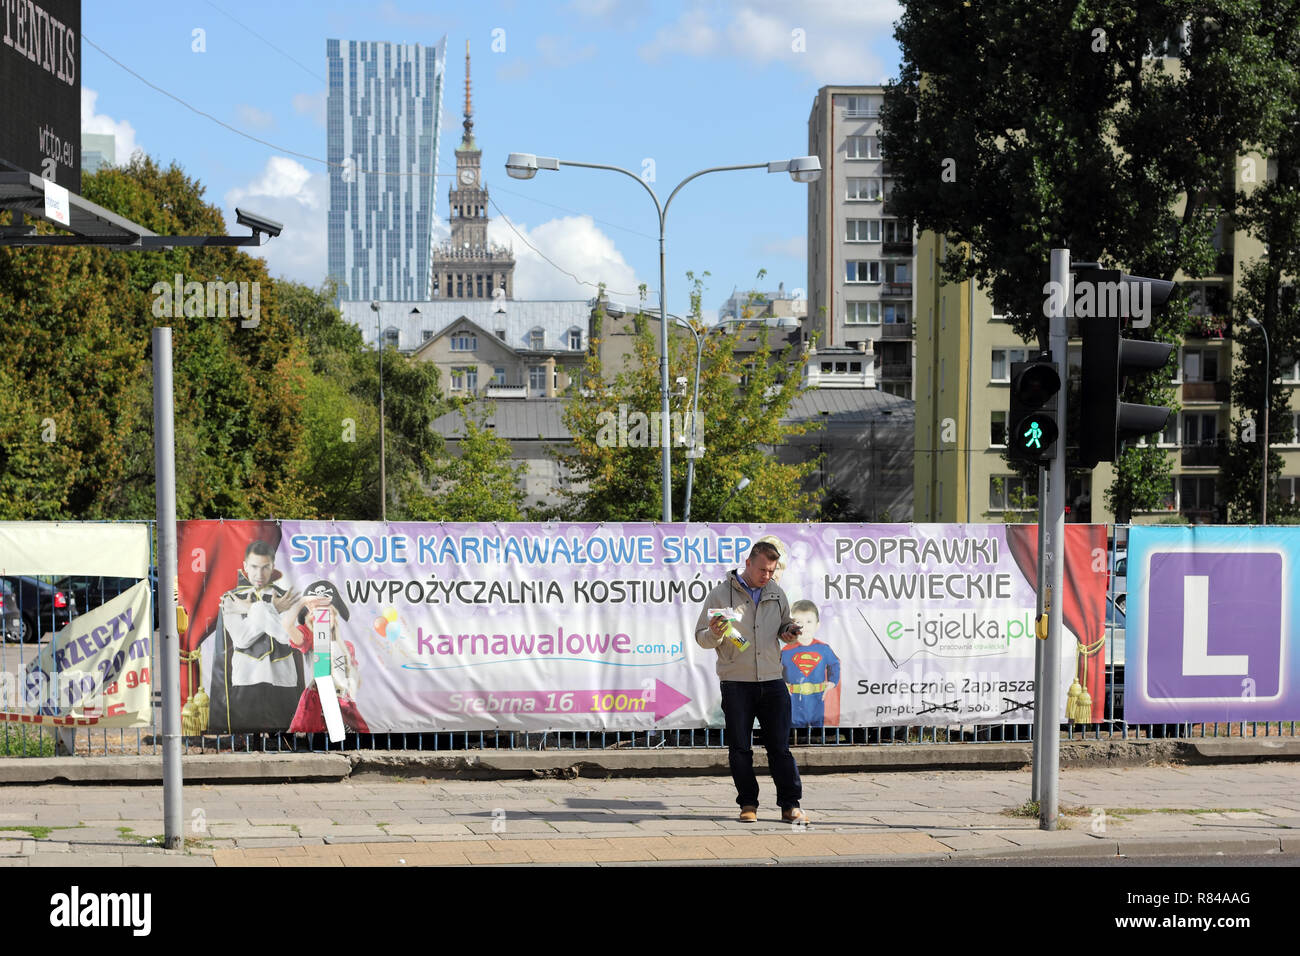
<point x="482" y="482"/>
<point x="619" y="477"/>
<point x="1018" y="126"/>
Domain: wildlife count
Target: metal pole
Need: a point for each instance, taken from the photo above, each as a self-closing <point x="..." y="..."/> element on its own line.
<point x="1049" y="693"/>
<point x="1040" y="730"/>
<point x="1268" y="381"/>
<point x="169" y="654"/>
<point x="667" y="477"/>
<point x="695" y="416"/>
<point x="383" y="477"/>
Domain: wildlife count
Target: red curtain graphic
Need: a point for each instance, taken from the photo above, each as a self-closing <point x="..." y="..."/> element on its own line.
<point x="1084" y="597"/>
<point x="210" y="556"/>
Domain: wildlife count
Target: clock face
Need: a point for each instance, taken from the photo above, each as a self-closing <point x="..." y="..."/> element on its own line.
<point x="467" y="177"/>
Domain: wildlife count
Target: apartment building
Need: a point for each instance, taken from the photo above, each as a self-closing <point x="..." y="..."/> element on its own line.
<point x="964" y="357"/>
<point x="861" y="259"/>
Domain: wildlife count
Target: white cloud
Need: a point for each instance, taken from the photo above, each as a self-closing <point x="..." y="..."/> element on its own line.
<point x="92" y="122"/>
<point x="795" y="247"/>
<point x="825" y="38"/>
<point x="293" y="195"/>
<point x="252" y="116"/>
<point x="311" y="104"/>
<point x="577" y="246"/>
<point x="692" y="34"/>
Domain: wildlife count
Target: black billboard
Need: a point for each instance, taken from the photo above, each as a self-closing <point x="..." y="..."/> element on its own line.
<point x="40" y="88"/>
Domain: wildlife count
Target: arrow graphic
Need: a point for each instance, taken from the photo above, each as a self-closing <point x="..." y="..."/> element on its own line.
<point x="661" y="701"/>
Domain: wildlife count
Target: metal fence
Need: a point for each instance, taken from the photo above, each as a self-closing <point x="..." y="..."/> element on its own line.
<point x="44" y="613"/>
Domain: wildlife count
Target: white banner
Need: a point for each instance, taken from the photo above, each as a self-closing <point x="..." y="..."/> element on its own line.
<point x="79" y="549"/>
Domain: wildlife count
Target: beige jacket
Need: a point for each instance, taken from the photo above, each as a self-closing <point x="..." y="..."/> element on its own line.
<point x="762" y="659"/>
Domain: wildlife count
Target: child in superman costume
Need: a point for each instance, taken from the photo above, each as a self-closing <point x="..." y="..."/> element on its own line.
<point x="811" y="671"/>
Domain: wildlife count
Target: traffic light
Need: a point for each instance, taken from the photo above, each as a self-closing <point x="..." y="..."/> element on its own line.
<point x="1105" y="421"/>
<point x="1031" y="420"/>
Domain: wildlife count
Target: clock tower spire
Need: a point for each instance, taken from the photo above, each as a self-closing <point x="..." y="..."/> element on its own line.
<point x="468" y="266"/>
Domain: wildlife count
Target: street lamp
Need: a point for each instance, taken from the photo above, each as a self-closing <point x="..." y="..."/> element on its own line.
<point x="740" y="486"/>
<point x="695" y="451"/>
<point x="383" y="490"/>
<point x="1268" y="380"/>
<point x="802" y="169"/>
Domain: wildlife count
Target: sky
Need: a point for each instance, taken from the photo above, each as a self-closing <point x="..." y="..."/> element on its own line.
<point x="663" y="88"/>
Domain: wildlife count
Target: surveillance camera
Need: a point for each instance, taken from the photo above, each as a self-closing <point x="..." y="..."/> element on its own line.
<point x="258" y="223"/>
<point x="681" y="381"/>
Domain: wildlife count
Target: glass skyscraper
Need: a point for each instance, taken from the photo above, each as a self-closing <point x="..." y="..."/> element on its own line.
<point x="383" y="116"/>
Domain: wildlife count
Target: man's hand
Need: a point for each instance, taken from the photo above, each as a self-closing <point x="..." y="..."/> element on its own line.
<point x="238" y="605"/>
<point x="285" y="601"/>
<point x="718" y="625"/>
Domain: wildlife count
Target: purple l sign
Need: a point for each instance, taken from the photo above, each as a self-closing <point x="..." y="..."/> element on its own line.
<point x="1214" y="625"/>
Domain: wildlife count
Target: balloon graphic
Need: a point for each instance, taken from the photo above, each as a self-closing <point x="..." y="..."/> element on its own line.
<point x="395" y="631"/>
<point x="381" y="624"/>
<point x="391" y="614"/>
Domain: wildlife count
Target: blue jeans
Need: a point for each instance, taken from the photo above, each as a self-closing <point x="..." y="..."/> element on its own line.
<point x="769" y="701"/>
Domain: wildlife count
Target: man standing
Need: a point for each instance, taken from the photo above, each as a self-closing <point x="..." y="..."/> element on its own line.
<point x="257" y="674"/>
<point x="751" y="677"/>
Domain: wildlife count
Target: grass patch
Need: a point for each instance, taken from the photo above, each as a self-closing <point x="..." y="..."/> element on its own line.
<point x="42" y="833"/>
<point x="1031" y="810"/>
<point x="159" y="839"/>
<point x="25" y="741"/>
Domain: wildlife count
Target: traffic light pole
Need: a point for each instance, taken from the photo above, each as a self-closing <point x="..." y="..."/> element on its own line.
<point x="1036" y="786"/>
<point x="1049" y="691"/>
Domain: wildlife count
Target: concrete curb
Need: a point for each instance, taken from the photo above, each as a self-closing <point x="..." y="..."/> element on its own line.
<point x="571" y="764"/>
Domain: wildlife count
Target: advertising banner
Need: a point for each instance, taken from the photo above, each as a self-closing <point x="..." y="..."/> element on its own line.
<point x="568" y="626"/>
<point x="94" y="672"/>
<point x="1211" y="636"/>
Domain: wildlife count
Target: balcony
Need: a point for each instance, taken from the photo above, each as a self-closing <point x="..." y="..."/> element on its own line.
<point x="896" y="370"/>
<point x="1206" y="454"/>
<point x="507" y="391"/>
<point x="896" y="290"/>
<point x="896" y="248"/>
<point x="898" y="330"/>
<point x="1206" y="326"/>
<point x="1205" y="392"/>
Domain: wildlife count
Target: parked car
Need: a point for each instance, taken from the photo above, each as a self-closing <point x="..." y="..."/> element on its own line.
<point x="11" y="622"/>
<point x="92" y="592"/>
<point x="42" y="605"/>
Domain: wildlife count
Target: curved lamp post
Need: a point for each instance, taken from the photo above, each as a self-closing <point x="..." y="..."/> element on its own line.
<point x="802" y="169"/>
<point x="1268" y="380"/>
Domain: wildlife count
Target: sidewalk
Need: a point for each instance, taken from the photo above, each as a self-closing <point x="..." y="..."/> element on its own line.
<point x="374" y="820"/>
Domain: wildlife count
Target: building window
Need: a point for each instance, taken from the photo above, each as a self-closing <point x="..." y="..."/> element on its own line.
<point x="998" y="429"/>
<point x="862" y="313"/>
<point x="537" y="378"/>
<point x="426" y="335"/>
<point x="1281" y="438"/>
<point x="900" y="272"/>
<point x="1200" y="428"/>
<point x="536" y="339"/>
<point x="864" y="188"/>
<point x="498" y="376"/>
<point x="1196" y="494"/>
<point x="855" y="368"/>
<point x="464" y="342"/>
<point x="892" y="230"/>
<point x="1200" y="365"/>
<point x="856" y="107"/>
<point x="1012" y="493"/>
<point x="457" y="379"/>
<point x="862" y="147"/>
<point x="501" y="334"/>
<point x="390" y="338"/>
<point x="862" y="230"/>
<point x="575" y="339"/>
<point x="1287" y="486"/>
<point x="901" y="389"/>
<point x="900" y="313"/>
<point x="862" y="270"/>
<point x="1002" y="359"/>
<point x="1290" y="370"/>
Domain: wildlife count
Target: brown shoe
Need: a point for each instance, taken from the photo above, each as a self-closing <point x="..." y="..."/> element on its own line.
<point x="794" y="815"/>
<point x="749" y="814"/>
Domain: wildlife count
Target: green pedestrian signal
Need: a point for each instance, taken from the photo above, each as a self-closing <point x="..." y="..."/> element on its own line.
<point x="1031" y="419"/>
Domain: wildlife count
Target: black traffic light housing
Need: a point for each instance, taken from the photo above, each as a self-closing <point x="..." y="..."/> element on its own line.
<point x="1105" y="421"/>
<point x="1032" y="428"/>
